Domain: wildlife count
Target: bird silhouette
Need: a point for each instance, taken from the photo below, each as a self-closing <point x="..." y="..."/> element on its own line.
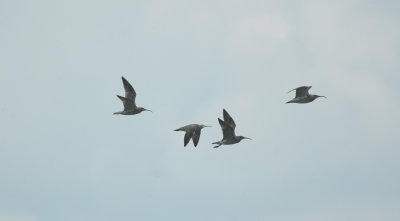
<point x="192" y="131"/>
<point x="228" y="130"/>
<point x="302" y="95"/>
<point x="130" y="107"/>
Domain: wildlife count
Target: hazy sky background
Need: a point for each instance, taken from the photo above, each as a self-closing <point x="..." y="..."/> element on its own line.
<point x="65" y="157"/>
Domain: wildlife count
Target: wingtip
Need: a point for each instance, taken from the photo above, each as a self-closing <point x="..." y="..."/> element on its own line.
<point x="124" y="79"/>
<point x="226" y="114"/>
<point x="120" y="97"/>
<point x="292" y="90"/>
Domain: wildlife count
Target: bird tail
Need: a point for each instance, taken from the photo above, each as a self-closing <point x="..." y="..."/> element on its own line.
<point x="179" y="129"/>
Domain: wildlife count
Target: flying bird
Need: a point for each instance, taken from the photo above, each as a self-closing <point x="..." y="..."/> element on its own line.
<point x="130" y="107"/>
<point x="228" y="130"/>
<point x="302" y="95"/>
<point x="192" y="131"/>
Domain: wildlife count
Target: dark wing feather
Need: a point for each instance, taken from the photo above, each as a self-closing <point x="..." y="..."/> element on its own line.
<point x="301" y="91"/>
<point x="228" y="119"/>
<point x="196" y="137"/>
<point x="227" y="130"/>
<point x="129" y="91"/>
<point x="188" y="135"/>
<point x="128" y="104"/>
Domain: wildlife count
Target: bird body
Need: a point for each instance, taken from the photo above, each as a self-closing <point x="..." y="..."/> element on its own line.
<point x="192" y="131"/>
<point x="129" y="100"/>
<point x="302" y="95"/>
<point x="228" y="130"/>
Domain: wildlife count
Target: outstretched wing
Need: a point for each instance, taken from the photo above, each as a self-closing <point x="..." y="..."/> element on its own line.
<point x="301" y="91"/>
<point x="228" y="119"/>
<point x="227" y="129"/>
<point x="129" y="91"/>
<point x="196" y="137"/>
<point x="128" y="104"/>
<point x="188" y="135"/>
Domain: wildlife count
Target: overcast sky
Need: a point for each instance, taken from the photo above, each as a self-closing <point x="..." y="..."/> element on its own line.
<point x="64" y="156"/>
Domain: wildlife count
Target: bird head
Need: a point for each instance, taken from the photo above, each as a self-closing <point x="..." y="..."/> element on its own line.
<point x="242" y="137"/>
<point x="317" y="96"/>
<point x="143" y="109"/>
<point x="313" y="97"/>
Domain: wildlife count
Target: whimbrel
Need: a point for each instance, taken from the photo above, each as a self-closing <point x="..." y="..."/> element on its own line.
<point x="192" y="131"/>
<point x="228" y="131"/>
<point x="302" y="95"/>
<point x="130" y="107"/>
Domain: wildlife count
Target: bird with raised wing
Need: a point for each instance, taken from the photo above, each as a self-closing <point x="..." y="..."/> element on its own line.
<point x="192" y="131"/>
<point x="302" y="95"/>
<point x="228" y="130"/>
<point x="130" y="107"/>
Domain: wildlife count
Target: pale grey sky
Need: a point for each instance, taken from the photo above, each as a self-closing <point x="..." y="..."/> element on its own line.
<point x="65" y="157"/>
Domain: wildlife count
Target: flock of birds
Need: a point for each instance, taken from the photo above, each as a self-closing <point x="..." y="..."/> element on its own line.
<point x="193" y="131"/>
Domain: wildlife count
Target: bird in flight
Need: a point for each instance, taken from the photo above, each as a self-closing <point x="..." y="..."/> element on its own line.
<point x="302" y="95"/>
<point x="192" y="131"/>
<point x="228" y="130"/>
<point x="130" y="107"/>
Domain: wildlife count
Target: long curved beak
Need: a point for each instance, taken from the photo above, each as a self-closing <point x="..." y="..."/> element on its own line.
<point x="207" y="126"/>
<point x="247" y="138"/>
<point x="322" y="96"/>
<point x="148" y="110"/>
